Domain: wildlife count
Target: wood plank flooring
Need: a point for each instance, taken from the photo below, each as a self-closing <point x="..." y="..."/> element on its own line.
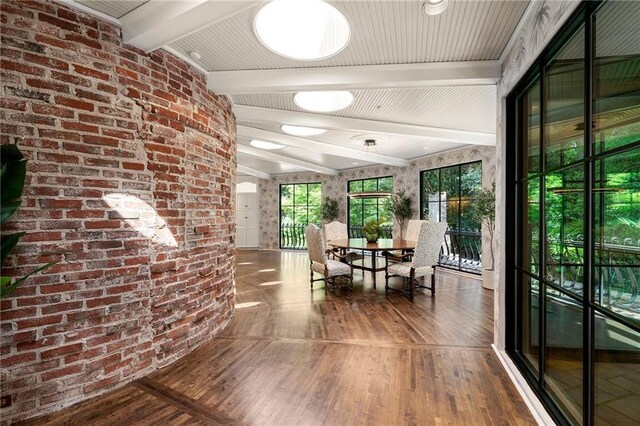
<point x="353" y="356"/>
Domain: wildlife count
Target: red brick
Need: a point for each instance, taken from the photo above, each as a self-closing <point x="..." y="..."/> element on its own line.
<point x="90" y="72"/>
<point x="102" y="224"/>
<point x="49" y="85"/>
<point x="100" y="384"/>
<point x="133" y="166"/>
<point x="16" y="104"/>
<point x="21" y="67"/>
<point x="46" y="61"/>
<point x="52" y="110"/>
<point x="64" y="203"/>
<point x="74" y="79"/>
<point x="62" y="372"/>
<point x="24" y="358"/>
<point x="74" y="103"/>
<point x="61" y="351"/>
<point x="65" y="25"/>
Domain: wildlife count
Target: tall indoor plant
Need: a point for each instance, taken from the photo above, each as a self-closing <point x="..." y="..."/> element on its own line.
<point x="400" y="207"/>
<point x="329" y="209"/>
<point x="14" y="169"/>
<point x="484" y="212"/>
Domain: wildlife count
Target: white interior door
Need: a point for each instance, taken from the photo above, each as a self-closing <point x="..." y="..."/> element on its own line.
<point x="247" y="219"/>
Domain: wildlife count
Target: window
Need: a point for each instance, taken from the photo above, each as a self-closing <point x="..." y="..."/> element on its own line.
<point x="299" y="206"/>
<point x="573" y="242"/>
<point x="363" y="210"/>
<point x="446" y="195"/>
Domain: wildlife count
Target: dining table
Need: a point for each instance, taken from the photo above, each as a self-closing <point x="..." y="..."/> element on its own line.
<point x="375" y="248"/>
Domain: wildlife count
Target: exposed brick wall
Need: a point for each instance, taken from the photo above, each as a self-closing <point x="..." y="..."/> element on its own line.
<point x="131" y="187"/>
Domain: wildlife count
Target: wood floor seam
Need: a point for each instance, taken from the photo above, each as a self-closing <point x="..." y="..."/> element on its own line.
<point x="185" y="404"/>
<point x="359" y="343"/>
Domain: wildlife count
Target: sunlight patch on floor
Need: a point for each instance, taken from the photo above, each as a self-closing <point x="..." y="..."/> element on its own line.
<point x="247" y="305"/>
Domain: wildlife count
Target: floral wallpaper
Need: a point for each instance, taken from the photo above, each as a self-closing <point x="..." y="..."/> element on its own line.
<point x="407" y="178"/>
<point x="540" y="23"/>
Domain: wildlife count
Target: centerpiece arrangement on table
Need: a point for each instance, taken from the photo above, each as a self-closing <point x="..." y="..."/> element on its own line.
<point x="371" y="231"/>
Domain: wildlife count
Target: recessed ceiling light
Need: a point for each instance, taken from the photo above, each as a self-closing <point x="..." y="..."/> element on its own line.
<point x="323" y="101"/>
<point x="265" y="145"/>
<point x="195" y="55"/>
<point x="301" y="130"/>
<point x="355" y="164"/>
<point x="303" y="30"/>
<point x="435" y="7"/>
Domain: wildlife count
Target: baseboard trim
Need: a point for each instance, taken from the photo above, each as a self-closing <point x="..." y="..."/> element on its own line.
<point x="535" y="406"/>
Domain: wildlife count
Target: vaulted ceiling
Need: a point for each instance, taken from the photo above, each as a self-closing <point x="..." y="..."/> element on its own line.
<point x="422" y="84"/>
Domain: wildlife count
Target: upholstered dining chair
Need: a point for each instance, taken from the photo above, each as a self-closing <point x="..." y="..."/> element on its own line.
<point x="421" y="262"/>
<point x="319" y="262"/>
<point x="413" y="229"/>
<point x="338" y="231"/>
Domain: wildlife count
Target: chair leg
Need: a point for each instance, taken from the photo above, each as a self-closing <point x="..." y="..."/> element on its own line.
<point x="311" y="277"/>
<point x="412" y="277"/>
<point x="433" y="283"/>
<point x="386" y="276"/>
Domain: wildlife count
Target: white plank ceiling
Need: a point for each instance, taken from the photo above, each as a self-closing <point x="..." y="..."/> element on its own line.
<point x="115" y="9"/>
<point x="421" y="120"/>
<point x="382" y="32"/>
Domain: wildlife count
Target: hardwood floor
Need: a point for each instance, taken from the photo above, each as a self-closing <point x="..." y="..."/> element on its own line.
<point x="295" y="357"/>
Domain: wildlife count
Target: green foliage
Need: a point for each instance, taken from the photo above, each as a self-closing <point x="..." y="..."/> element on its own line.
<point x="399" y="205"/>
<point x="12" y="177"/>
<point x="371" y="230"/>
<point x="329" y="209"/>
<point x="484" y="211"/>
<point x="484" y="206"/>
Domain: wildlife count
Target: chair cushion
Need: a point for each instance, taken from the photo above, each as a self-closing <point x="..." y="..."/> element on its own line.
<point x="334" y="267"/>
<point x="403" y="269"/>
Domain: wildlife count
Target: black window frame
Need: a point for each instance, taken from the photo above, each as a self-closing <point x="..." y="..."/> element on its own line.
<point x="298" y="233"/>
<point x="514" y="222"/>
<point x="354" y="228"/>
<point x="456" y="233"/>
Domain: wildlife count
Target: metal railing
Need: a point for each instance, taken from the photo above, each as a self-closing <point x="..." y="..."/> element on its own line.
<point x="292" y="236"/>
<point x="356" y="231"/>
<point x="462" y="250"/>
<point x="617" y="271"/>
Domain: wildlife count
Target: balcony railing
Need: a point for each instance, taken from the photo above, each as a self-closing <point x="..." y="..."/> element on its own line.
<point x="616" y="271"/>
<point x="292" y="236"/>
<point x="356" y="232"/>
<point x="462" y="250"/>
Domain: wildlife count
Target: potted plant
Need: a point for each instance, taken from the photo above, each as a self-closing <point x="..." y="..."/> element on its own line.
<point x="371" y="231"/>
<point x="400" y="207"/>
<point x="329" y="209"/>
<point x="484" y="212"/>
<point x="14" y="169"/>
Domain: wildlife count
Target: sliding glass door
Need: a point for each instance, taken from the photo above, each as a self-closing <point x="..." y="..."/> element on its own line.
<point x="447" y="195"/>
<point x="573" y="246"/>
